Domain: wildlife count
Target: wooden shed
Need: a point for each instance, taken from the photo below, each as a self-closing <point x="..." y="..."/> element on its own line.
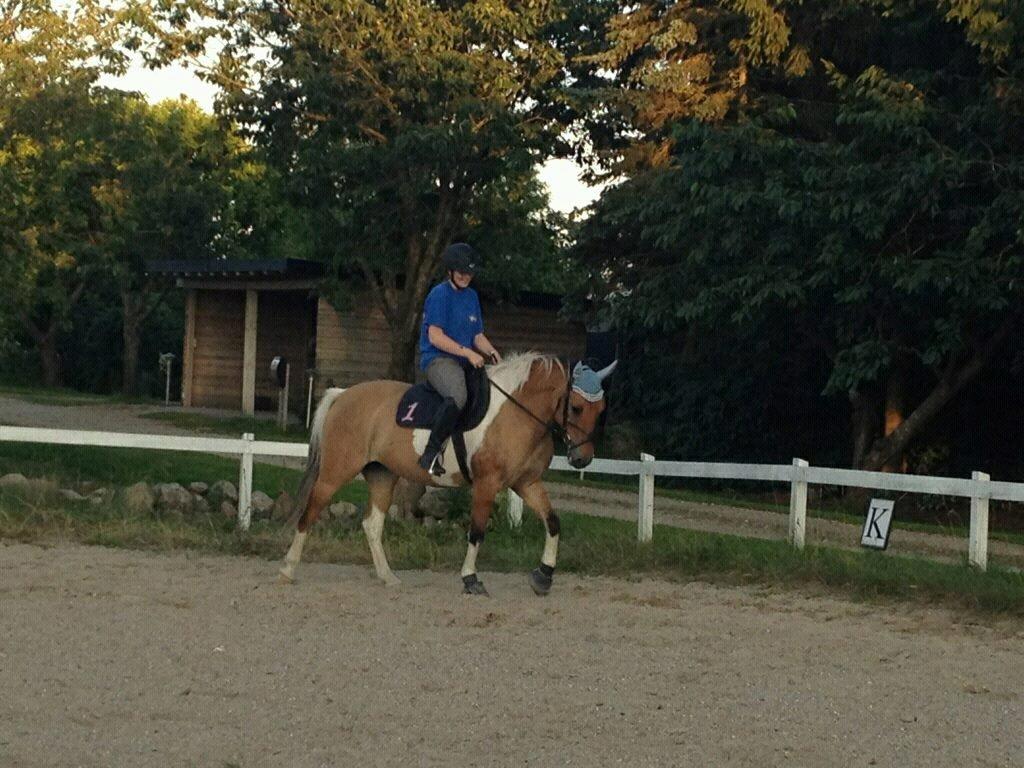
<point x="239" y="315"/>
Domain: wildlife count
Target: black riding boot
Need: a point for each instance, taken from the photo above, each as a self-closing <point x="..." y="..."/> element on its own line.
<point x="444" y="423"/>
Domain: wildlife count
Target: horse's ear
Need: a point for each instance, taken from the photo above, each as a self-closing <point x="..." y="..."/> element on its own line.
<point x="604" y="373"/>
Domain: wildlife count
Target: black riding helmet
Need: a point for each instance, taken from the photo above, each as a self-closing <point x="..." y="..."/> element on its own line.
<point x="459" y="257"/>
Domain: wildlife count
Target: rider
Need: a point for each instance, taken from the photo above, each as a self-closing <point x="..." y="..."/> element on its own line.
<point x="452" y="331"/>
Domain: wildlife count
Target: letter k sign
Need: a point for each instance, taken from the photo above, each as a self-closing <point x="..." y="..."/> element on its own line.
<point x="876" y="525"/>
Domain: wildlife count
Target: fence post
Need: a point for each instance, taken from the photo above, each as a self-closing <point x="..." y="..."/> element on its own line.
<point x="645" y="513"/>
<point x="515" y="509"/>
<point x="245" y="483"/>
<point x="977" y="549"/>
<point x="798" y="504"/>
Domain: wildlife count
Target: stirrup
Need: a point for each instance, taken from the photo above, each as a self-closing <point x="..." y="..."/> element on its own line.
<point x="436" y="467"/>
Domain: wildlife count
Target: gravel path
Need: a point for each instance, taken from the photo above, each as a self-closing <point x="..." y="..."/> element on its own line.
<point x="121" y="658"/>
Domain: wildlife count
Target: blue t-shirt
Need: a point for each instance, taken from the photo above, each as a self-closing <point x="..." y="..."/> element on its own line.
<point x="455" y="312"/>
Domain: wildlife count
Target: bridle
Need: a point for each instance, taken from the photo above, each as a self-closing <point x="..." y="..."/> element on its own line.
<point x="556" y="430"/>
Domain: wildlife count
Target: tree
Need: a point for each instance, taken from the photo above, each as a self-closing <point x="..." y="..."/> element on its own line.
<point x="178" y="184"/>
<point x="400" y="126"/>
<point x="49" y="61"/>
<point x="875" y="195"/>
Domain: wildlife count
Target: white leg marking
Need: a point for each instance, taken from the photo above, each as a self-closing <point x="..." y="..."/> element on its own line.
<point x="550" y="550"/>
<point x="469" y="566"/>
<point x="374" y="527"/>
<point x="294" y="555"/>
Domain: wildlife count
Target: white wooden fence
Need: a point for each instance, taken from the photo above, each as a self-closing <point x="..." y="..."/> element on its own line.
<point x="979" y="489"/>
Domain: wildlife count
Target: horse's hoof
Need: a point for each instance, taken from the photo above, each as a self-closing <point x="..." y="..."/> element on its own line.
<point x="471" y="585"/>
<point x="540" y="582"/>
<point x="392" y="582"/>
<point x="286" y="576"/>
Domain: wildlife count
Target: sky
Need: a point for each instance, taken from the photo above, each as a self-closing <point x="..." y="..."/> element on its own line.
<point x="562" y="177"/>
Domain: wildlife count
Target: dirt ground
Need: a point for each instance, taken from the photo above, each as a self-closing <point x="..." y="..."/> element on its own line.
<point x="121" y="658"/>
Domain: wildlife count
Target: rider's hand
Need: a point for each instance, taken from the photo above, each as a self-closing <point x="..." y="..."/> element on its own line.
<point x="475" y="359"/>
<point x="495" y="357"/>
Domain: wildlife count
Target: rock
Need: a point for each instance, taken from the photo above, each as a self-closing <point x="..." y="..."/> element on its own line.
<point x="86" y="487"/>
<point x="261" y="505"/>
<point x="139" y="498"/>
<point x="42" y="486"/>
<point x="221" y="491"/>
<point x="198" y="488"/>
<point x="435" y="503"/>
<point x="429" y="522"/>
<point x="68" y="495"/>
<point x="282" y="506"/>
<point x="172" y="497"/>
<point x="406" y="496"/>
<point x="200" y="506"/>
<point x="228" y="509"/>
<point x="343" y="510"/>
<point x="101" y="497"/>
<point x="14" y="480"/>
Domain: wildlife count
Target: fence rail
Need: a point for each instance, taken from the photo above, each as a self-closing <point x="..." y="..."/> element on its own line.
<point x="798" y="474"/>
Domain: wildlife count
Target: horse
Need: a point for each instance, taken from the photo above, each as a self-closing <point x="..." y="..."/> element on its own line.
<point x="535" y="399"/>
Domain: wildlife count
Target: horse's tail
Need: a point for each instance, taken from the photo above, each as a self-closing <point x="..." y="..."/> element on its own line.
<point x="313" y="462"/>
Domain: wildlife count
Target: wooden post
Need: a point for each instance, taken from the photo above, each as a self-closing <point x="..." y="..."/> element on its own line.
<point x="245" y="485"/>
<point x="515" y="509"/>
<point x="645" y="514"/>
<point x="798" y="504"/>
<point x="977" y="549"/>
<point x="188" y="353"/>
<point x="249" y="353"/>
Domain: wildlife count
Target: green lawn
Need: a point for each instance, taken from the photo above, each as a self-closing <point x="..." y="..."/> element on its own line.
<point x="62" y="396"/>
<point x="234" y="426"/>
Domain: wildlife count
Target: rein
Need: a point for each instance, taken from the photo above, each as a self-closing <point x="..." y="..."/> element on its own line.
<point x="556" y="430"/>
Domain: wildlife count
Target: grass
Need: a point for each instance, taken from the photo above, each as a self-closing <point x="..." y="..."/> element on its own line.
<point x="590" y="546"/>
<point x="62" y="396"/>
<point x="125" y="466"/>
<point x="825" y="508"/>
<point x="233" y="426"/>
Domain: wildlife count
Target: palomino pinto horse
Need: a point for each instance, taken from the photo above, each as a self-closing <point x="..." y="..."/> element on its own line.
<point x="355" y="431"/>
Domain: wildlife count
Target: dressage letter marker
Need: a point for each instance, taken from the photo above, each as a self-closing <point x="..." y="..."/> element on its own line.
<point x="876" y="525"/>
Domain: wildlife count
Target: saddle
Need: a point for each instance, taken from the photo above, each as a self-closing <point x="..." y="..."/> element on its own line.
<point x="420" y="404"/>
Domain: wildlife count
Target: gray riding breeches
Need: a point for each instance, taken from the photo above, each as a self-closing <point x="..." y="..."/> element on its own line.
<point x="447" y="377"/>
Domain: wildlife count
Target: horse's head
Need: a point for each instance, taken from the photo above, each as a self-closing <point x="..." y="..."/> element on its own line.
<point x="582" y="411"/>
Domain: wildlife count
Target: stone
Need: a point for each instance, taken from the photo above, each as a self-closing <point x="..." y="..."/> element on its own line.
<point x="68" y="495"/>
<point x="343" y="510"/>
<point x="200" y="506"/>
<point x="435" y="503"/>
<point x="261" y="505"/>
<point x="222" y="490"/>
<point x="198" y="488"/>
<point x="228" y="509"/>
<point x="406" y="496"/>
<point x="14" y="480"/>
<point x="429" y="522"/>
<point x="42" y="486"/>
<point x="86" y="487"/>
<point x="101" y="497"/>
<point x="283" y="506"/>
<point x="172" y="497"/>
<point x="139" y="498"/>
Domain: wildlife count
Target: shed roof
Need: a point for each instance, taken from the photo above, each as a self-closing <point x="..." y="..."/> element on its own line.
<point x="240" y="269"/>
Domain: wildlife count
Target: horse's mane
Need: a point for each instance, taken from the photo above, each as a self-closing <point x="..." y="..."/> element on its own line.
<point x="513" y="372"/>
